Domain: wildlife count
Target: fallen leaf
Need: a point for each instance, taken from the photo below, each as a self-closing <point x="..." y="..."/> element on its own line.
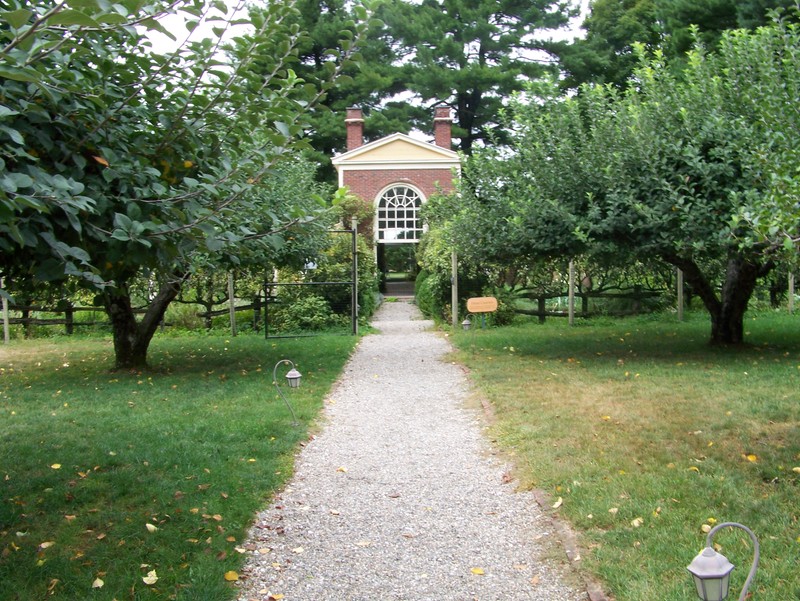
<point x="558" y="503"/>
<point x="705" y="528"/>
<point x="231" y="576"/>
<point x="637" y="522"/>
<point x="46" y="545"/>
<point x="150" y="527"/>
<point x="535" y="580"/>
<point x="477" y="571"/>
<point x="275" y="597"/>
<point x="98" y="583"/>
<point x="694" y="468"/>
<point x="151" y="578"/>
<point x="613" y="510"/>
<point x="298" y="550"/>
<point x="751" y="458"/>
<point x="342" y="469"/>
<point x="796" y="470"/>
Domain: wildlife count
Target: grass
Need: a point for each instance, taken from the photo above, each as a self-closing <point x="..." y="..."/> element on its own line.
<point x="648" y="435"/>
<point x="108" y="476"/>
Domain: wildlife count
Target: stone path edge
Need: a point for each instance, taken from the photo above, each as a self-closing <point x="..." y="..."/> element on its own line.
<point x="566" y="535"/>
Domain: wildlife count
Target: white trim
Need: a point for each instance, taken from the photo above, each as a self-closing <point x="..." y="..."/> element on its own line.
<point x="376" y="207"/>
<point x="366" y="148"/>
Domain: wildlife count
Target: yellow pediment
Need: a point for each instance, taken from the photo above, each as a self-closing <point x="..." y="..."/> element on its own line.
<point x="397" y="148"/>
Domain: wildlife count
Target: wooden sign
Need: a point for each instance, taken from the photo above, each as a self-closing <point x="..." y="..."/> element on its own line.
<point x="482" y="304"/>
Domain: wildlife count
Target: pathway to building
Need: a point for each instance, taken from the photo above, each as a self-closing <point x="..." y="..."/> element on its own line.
<point x="400" y="496"/>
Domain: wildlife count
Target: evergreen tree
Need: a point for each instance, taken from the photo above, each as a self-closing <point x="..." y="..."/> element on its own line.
<point x="473" y="54"/>
<point x="613" y="27"/>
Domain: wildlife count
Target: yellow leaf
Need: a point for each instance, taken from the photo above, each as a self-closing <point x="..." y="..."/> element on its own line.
<point x="151" y="578"/>
<point x="477" y="571"/>
<point x="150" y="527"/>
<point x="637" y="522"/>
<point x="694" y="468"/>
<point x="188" y="164"/>
<point x="342" y="469"/>
<point x="705" y="528"/>
<point x="231" y="576"/>
<point x="275" y="597"/>
<point x="98" y="583"/>
<point x="101" y="160"/>
<point x="796" y="470"/>
<point x="56" y="466"/>
<point x="751" y="458"/>
<point x="558" y="503"/>
<point x="712" y="521"/>
<point x="613" y="510"/>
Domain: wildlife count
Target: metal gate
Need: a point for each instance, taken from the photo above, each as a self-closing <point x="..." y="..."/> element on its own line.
<point x="341" y="298"/>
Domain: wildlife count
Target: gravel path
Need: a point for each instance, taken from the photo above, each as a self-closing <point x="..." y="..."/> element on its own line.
<point x="398" y="498"/>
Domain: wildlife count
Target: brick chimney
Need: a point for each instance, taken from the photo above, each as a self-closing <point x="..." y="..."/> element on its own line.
<point x="442" y="123"/>
<point x="355" y="128"/>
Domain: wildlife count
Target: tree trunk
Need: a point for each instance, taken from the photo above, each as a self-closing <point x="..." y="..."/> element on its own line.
<point x="726" y="310"/>
<point x="132" y="338"/>
<point x="740" y="282"/>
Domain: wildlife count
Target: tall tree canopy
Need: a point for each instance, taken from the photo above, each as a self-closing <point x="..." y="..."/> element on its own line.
<point x="473" y="54"/>
<point x="117" y="161"/>
<point x="613" y="27"/>
<point x="698" y="169"/>
<point x="369" y="85"/>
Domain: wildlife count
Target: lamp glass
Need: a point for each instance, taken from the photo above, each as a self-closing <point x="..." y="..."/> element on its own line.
<point x="712" y="589"/>
<point x="293" y="378"/>
<point x="711" y="572"/>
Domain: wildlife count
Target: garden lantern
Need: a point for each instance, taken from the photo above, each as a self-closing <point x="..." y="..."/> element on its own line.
<point x="712" y="571"/>
<point x="466" y="323"/>
<point x="292" y="379"/>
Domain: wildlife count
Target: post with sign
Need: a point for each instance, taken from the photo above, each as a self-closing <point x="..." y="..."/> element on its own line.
<point x="482" y="305"/>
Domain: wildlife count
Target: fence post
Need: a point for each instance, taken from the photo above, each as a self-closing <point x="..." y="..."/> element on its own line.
<point x="232" y="303"/>
<point x="256" y="311"/>
<point x="454" y="288"/>
<point x="69" y="318"/>
<point x="571" y="297"/>
<point x="6" y="333"/>
<point x="354" y="295"/>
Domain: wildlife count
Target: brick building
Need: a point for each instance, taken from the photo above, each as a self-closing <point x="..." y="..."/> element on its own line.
<point x="397" y="174"/>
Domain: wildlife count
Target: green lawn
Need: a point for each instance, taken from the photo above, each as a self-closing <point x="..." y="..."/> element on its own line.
<point x="648" y="435"/>
<point x="107" y="477"/>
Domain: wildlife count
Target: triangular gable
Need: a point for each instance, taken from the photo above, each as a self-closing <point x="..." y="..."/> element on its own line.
<point x="398" y="148"/>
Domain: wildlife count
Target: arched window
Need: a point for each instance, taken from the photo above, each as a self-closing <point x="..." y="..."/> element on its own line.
<point x="398" y="215"/>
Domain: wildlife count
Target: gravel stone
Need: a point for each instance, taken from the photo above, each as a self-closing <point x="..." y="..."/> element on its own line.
<point x="399" y="497"/>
